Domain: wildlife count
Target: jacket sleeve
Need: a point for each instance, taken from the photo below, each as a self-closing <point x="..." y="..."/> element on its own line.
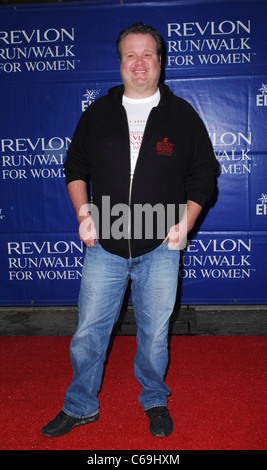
<point x="77" y="164"/>
<point x="203" y="168"/>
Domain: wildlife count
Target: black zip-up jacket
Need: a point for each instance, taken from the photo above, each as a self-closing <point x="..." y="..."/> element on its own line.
<point x="176" y="163"/>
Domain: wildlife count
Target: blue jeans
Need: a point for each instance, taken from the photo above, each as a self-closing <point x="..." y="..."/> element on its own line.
<point x="105" y="277"/>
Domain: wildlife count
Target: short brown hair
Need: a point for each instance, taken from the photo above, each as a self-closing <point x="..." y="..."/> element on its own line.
<point x="140" y="28"/>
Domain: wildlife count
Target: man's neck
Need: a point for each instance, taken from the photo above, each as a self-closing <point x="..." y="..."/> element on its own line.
<point x="139" y="94"/>
<point x="148" y="99"/>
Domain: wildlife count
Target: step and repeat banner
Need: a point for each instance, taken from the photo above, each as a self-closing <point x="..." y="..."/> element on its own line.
<point x="55" y="60"/>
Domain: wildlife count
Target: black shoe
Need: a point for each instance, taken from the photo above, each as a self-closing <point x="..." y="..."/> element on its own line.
<point x="63" y="423"/>
<point x="160" y="421"/>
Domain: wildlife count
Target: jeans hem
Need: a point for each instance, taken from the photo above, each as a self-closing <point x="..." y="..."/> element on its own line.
<point x="155" y="405"/>
<point x="78" y="417"/>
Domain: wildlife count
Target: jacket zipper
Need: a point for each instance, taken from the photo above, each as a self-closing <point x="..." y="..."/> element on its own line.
<point x="130" y="188"/>
<point x="129" y="216"/>
<point x="130" y="195"/>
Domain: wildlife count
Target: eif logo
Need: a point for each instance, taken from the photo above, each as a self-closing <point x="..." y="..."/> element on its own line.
<point x="261" y="209"/>
<point x="1" y="214"/>
<point x="90" y="96"/>
<point x="261" y="100"/>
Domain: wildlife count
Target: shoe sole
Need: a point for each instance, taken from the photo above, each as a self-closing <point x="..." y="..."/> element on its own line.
<point x="81" y="423"/>
<point x="162" y="434"/>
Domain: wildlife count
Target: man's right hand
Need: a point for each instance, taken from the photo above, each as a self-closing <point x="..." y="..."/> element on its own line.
<point x="87" y="230"/>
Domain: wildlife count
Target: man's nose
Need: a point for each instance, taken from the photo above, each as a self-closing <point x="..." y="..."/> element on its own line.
<point x="140" y="59"/>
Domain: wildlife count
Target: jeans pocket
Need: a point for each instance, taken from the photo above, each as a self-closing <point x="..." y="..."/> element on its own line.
<point x="96" y="244"/>
<point x="169" y="248"/>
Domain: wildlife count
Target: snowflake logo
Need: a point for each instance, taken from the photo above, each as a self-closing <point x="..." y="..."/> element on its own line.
<point x="263" y="89"/>
<point x="263" y="198"/>
<point x="91" y="95"/>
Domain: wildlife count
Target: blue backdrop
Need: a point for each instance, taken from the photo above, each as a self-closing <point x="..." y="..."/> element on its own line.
<point x="55" y="59"/>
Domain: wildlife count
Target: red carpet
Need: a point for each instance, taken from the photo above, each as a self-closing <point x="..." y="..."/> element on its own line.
<point x="218" y="397"/>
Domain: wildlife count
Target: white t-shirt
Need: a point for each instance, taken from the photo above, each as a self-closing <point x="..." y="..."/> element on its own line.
<point x="138" y="111"/>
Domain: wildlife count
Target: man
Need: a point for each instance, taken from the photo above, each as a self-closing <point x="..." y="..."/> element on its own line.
<point x="174" y="164"/>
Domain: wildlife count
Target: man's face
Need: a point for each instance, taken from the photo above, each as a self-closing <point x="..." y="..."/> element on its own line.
<point x="140" y="65"/>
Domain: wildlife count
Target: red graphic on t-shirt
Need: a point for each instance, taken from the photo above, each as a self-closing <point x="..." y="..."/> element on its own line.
<point x="164" y="147"/>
